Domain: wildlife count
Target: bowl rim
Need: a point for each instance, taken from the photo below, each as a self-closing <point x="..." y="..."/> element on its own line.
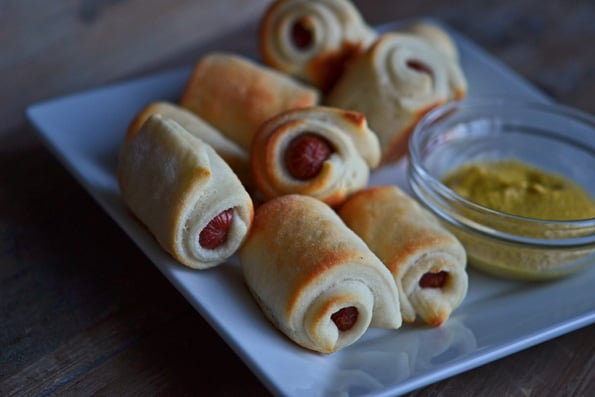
<point x="417" y="172"/>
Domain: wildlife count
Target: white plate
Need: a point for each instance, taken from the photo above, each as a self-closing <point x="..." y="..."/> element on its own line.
<point x="497" y="318"/>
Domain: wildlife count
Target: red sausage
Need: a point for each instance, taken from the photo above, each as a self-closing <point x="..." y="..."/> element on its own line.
<point x="305" y="156"/>
<point x="433" y="280"/>
<point x="419" y="66"/>
<point x="301" y="36"/>
<point x="345" y="318"/>
<point x="215" y="233"/>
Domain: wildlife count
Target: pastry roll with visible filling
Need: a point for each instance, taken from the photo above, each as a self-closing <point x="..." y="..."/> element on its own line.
<point x="313" y="277"/>
<point x="313" y="39"/>
<point x="236" y="95"/>
<point x="428" y="263"/>
<point x="184" y="193"/>
<point x="231" y="152"/>
<point x="395" y="83"/>
<point x="318" y="151"/>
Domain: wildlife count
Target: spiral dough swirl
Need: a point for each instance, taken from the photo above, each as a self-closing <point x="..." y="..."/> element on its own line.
<point x="184" y="193"/>
<point x="427" y="262"/>
<point x="394" y="84"/>
<point x="352" y="150"/>
<point x="314" y="278"/>
<point x="312" y="40"/>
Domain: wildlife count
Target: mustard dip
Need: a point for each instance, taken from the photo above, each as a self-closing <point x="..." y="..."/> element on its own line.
<point x="519" y="189"/>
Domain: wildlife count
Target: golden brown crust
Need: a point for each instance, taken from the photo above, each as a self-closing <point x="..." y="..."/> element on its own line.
<point x="411" y="242"/>
<point x="355" y="152"/>
<point x="325" y="69"/>
<point x="338" y="34"/>
<point x="177" y="201"/>
<point x="371" y="211"/>
<point x="236" y="95"/>
<point x="303" y="264"/>
<point x="395" y="83"/>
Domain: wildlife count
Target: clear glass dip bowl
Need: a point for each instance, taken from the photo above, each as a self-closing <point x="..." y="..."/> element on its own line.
<point x="551" y="137"/>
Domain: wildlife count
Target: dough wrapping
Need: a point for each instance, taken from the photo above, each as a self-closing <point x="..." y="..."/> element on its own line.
<point x="236" y="95"/>
<point x="303" y="265"/>
<point x="395" y="83"/>
<point x="176" y="185"/>
<point x="354" y="152"/>
<point x="234" y="155"/>
<point x="412" y="243"/>
<point x="313" y="40"/>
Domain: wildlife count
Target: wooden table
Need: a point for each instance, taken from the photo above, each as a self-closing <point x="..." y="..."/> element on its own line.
<point x="83" y="311"/>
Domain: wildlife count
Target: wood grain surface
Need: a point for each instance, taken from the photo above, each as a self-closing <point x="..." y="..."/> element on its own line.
<point x="84" y="312"/>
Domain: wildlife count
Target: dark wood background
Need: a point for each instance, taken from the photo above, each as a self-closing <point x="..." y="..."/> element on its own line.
<point x="83" y="312"/>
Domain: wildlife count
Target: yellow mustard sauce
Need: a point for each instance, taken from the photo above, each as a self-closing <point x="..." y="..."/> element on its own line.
<point x="519" y="189"/>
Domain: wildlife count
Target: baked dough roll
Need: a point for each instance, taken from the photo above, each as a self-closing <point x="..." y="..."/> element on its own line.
<point x="428" y="263"/>
<point x="314" y="279"/>
<point x="399" y="79"/>
<point x="313" y="40"/>
<point x="235" y="95"/>
<point x="184" y="193"/>
<point x="318" y="151"/>
<point x="231" y="152"/>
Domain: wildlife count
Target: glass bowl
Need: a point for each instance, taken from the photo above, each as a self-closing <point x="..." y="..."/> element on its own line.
<point x="551" y="137"/>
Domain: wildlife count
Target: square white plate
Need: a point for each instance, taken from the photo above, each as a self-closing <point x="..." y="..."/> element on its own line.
<point x="497" y="318"/>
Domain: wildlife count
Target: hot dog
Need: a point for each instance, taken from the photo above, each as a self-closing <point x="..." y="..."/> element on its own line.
<point x="187" y="196"/>
<point x="399" y="78"/>
<point x="427" y="262"/>
<point x="313" y="40"/>
<point x="236" y="95"/>
<point x="315" y="279"/>
<point x="216" y="231"/>
<point x="318" y="151"/>
<point x="305" y="156"/>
